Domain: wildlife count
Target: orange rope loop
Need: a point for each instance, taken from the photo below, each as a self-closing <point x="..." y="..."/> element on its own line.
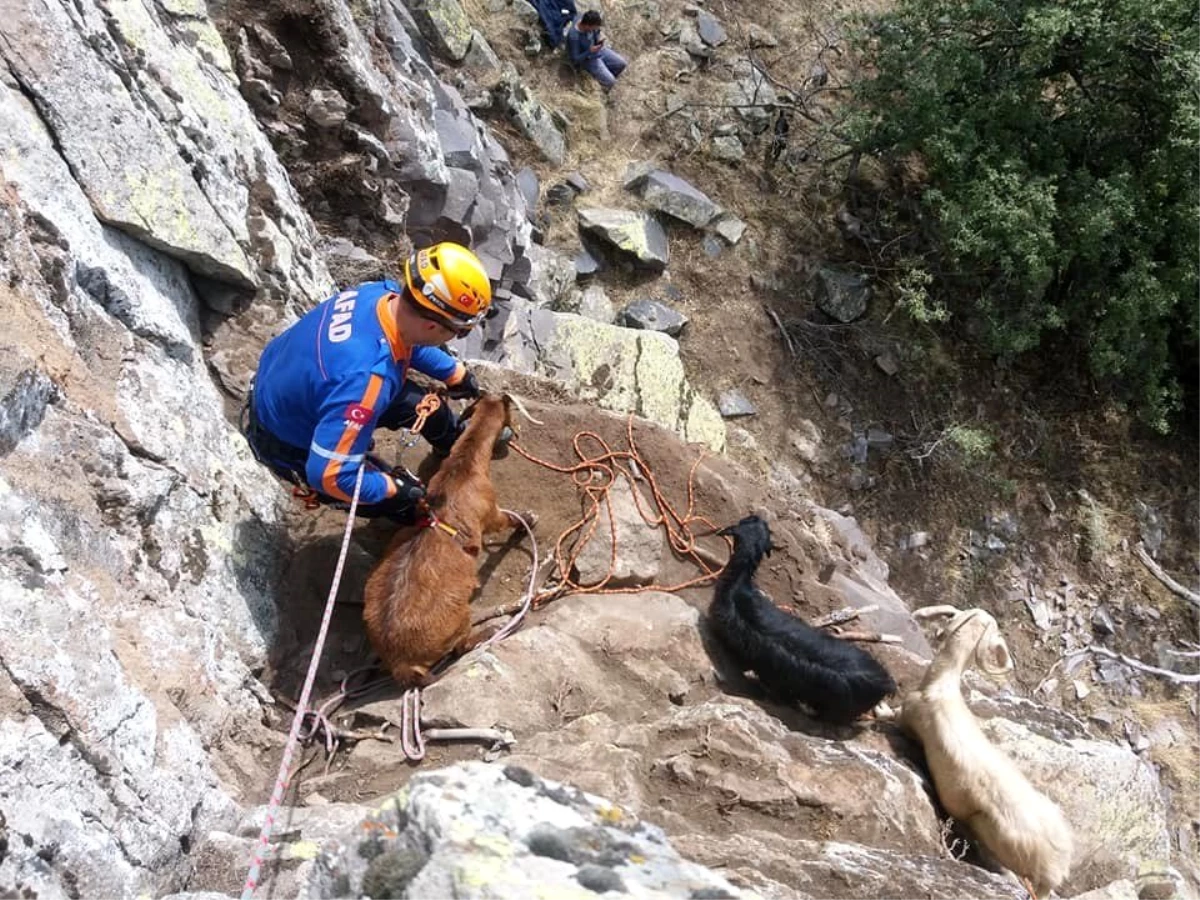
<point x="594" y="475"/>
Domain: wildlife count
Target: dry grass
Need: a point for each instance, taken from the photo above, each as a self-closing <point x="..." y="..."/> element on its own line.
<point x="1180" y="759"/>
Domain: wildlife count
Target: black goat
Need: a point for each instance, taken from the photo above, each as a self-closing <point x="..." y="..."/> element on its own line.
<point x="792" y="660"/>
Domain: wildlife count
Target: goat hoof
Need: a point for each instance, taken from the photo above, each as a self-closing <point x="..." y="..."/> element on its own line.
<point x="530" y="517"/>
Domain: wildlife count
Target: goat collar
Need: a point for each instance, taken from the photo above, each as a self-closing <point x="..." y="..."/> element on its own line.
<point x="429" y="520"/>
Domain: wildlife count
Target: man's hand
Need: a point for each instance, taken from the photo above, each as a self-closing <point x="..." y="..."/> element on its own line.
<point x="467" y="389"/>
<point x="408" y="488"/>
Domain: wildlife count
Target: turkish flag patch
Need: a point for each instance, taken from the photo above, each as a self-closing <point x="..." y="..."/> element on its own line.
<point x="359" y="414"/>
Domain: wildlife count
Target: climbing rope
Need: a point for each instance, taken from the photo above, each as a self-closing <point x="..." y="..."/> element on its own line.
<point x="426" y="407"/>
<point x="595" y="475"/>
<point x="281" y="781"/>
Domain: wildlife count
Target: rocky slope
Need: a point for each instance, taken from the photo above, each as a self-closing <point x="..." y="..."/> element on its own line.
<point x="178" y="183"/>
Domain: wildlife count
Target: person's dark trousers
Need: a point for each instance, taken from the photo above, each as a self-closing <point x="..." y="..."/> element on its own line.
<point x="441" y="429"/>
<point x="288" y="463"/>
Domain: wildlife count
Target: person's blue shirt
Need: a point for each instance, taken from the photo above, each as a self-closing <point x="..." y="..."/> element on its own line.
<point x="324" y="382"/>
<point x="580" y="44"/>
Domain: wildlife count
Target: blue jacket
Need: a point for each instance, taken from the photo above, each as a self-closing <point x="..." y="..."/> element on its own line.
<point x="580" y="44"/>
<point x="324" y="382"/>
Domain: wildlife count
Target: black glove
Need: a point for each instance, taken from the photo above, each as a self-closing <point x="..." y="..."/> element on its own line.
<point x="467" y="389"/>
<point x="408" y="486"/>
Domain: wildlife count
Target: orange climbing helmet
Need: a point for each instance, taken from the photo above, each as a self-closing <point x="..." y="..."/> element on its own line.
<point x="449" y="281"/>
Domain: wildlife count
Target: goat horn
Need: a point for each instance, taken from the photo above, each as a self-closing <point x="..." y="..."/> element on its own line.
<point x="523" y="411"/>
<point x="933" y="612"/>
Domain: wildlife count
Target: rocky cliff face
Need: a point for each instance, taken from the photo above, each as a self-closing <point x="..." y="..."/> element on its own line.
<point x="176" y="185"/>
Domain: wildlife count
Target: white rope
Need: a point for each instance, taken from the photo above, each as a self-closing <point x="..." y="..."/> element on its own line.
<point x="411" y="740"/>
<point x="281" y="781"/>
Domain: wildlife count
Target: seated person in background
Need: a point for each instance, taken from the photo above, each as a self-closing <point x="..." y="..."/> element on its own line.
<point x="556" y="15"/>
<point x="586" y="50"/>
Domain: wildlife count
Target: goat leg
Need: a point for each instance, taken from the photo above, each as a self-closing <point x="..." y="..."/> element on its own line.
<point x="522" y="518"/>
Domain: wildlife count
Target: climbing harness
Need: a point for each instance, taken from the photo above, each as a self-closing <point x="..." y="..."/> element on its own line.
<point x="281" y="781"/>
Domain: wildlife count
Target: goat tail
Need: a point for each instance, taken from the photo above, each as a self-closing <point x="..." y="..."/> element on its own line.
<point x="523" y="411"/>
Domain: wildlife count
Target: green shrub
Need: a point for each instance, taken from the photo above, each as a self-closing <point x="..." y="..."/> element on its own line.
<point x="1060" y="144"/>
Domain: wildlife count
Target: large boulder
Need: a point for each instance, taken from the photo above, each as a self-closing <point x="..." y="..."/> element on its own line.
<point x="620" y="369"/>
<point x="1111" y="796"/>
<point x="842" y="295"/>
<point x="445" y="25"/>
<point x="531" y="117"/>
<point x="635" y="236"/>
<point x="670" y="194"/>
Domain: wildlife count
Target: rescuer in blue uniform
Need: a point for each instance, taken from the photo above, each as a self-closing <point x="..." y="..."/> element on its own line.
<point x="326" y="383"/>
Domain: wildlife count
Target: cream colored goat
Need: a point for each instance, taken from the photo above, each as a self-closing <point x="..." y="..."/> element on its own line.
<point x="977" y="783"/>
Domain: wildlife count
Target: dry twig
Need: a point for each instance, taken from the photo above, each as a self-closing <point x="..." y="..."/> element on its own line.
<point x="1171" y="584"/>
<point x="787" y="338"/>
<point x="874" y="637"/>
<point x="1177" y="677"/>
<point x="843" y="615"/>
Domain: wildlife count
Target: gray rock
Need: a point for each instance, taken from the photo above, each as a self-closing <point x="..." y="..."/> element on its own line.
<point x="733" y="403"/>
<point x="878" y="438"/>
<point x="639" y="549"/>
<point x="887" y="363"/>
<point x="578" y="183"/>
<point x="651" y="315"/>
<point x="690" y="40"/>
<point x="480" y="57"/>
<point x="349" y="263"/>
<point x="729" y="227"/>
<point x="120" y="151"/>
<point x="637" y="236"/>
<point x="445" y="25"/>
<point x="527" y="182"/>
<point x="636" y="174"/>
<point x="841" y="295"/>
<point x="555" y="839"/>
<point x="806" y="439"/>
<point x="461" y="194"/>
<point x="711" y="31"/>
<point x="260" y="94"/>
<point x="728" y="148"/>
<point x="326" y="107"/>
<point x="23" y="406"/>
<point x="752" y="95"/>
<point x="619" y="369"/>
<point x="594" y="304"/>
<point x="586" y="264"/>
<point x="712" y="246"/>
<point x="1102" y="622"/>
<point x="561" y="194"/>
<point x="760" y="37"/>
<point x="531" y="118"/>
<point x="456" y="134"/>
<point x="672" y="195"/>
<point x="1151" y="528"/>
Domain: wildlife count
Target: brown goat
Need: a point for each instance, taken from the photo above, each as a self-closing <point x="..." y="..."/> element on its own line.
<point x="416" y="604"/>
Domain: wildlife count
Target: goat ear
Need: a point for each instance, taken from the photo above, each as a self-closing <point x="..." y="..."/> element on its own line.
<point x="998" y="657"/>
